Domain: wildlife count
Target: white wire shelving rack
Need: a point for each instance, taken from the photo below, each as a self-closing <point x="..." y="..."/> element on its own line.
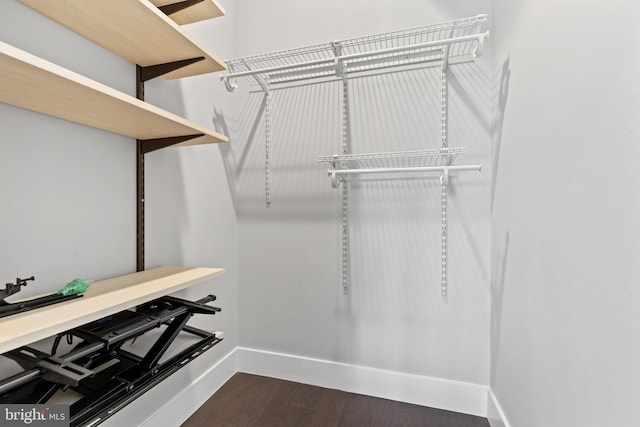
<point x="438" y="45"/>
<point x="439" y="160"/>
<point x="454" y="41"/>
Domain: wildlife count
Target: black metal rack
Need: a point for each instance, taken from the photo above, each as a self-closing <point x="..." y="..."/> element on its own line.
<point x="9" y="308"/>
<point x="99" y="369"/>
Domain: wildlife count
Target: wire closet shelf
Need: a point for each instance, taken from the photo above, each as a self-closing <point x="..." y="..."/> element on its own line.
<point x="454" y="41"/>
<point x="438" y="160"/>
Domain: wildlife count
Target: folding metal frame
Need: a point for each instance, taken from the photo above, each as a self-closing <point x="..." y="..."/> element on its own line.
<point x="9" y="308"/>
<point x="98" y="368"/>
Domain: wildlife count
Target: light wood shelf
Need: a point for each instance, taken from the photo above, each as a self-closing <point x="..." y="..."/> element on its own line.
<point x="206" y="9"/>
<point x="102" y="299"/>
<point x="135" y="30"/>
<point x="33" y="83"/>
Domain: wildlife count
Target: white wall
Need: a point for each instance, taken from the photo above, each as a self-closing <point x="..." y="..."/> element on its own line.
<point x="290" y="294"/>
<point x="65" y="188"/>
<point x="68" y="191"/>
<point x="565" y="234"/>
<point x="564" y="238"/>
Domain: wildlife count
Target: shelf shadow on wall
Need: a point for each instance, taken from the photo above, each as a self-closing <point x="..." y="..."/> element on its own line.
<point x="250" y="118"/>
<point x="500" y="239"/>
<point x="303" y="120"/>
<point x="502" y="91"/>
<point x="498" y="274"/>
<point x="219" y="122"/>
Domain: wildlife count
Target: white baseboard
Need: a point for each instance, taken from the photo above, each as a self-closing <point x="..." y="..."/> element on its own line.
<point x="494" y="411"/>
<point x="439" y="393"/>
<point x="187" y="401"/>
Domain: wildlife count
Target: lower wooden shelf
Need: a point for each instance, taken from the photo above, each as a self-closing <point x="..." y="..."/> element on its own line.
<point x="103" y="298"/>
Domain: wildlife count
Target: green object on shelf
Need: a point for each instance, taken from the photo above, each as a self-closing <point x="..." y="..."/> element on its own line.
<point x="76" y="286"/>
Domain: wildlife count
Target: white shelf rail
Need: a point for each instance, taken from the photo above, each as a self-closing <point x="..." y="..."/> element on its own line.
<point x="438" y="160"/>
<point x="456" y="41"/>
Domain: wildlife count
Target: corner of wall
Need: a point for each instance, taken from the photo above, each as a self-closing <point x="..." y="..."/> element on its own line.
<point x="495" y="415"/>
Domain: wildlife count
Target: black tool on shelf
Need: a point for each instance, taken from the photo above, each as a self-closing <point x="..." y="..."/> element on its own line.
<point x="100" y="370"/>
<point x="9" y="308"/>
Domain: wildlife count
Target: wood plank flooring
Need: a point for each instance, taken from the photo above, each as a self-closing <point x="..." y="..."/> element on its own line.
<point x="254" y="401"/>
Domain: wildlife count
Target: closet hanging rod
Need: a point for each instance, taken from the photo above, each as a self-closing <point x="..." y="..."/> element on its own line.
<point x="327" y="72"/>
<point x="336" y="175"/>
<point x="377" y="57"/>
<point x="454" y="168"/>
<point x="437" y="152"/>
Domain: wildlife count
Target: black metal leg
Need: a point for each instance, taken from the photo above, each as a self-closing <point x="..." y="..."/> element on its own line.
<point x="163" y="343"/>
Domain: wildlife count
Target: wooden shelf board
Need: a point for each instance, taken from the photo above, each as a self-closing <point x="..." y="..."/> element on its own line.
<point x="206" y="9"/>
<point x="102" y="299"/>
<point x="135" y="30"/>
<point x="30" y="82"/>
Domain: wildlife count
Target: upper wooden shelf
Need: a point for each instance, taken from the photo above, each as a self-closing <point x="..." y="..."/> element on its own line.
<point x="102" y="299"/>
<point x="135" y="30"/>
<point x="205" y="9"/>
<point x="30" y="82"/>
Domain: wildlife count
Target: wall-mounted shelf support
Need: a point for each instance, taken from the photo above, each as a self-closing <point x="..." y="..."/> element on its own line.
<point x="140" y="184"/>
<point x="346" y="150"/>
<point x="172" y="8"/>
<point x="153" y="71"/>
<point x="444" y="184"/>
<point x="196" y="10"/>
<point x="444" y="176"/>
<point x="144" y="146"/>
<point x="149" y="145"/>
<point x="264" y="83"/>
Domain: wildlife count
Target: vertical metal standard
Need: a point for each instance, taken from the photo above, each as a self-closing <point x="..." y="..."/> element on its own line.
<point x="139" y="183"/>
<point x="263" y="81"/>
<point x="267" y="143"/>
<point x="444" y="177"/>
<point x="346" y="149"/>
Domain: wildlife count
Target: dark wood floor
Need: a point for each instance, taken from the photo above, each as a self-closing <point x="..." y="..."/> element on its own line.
<point x="251" y="400"/>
